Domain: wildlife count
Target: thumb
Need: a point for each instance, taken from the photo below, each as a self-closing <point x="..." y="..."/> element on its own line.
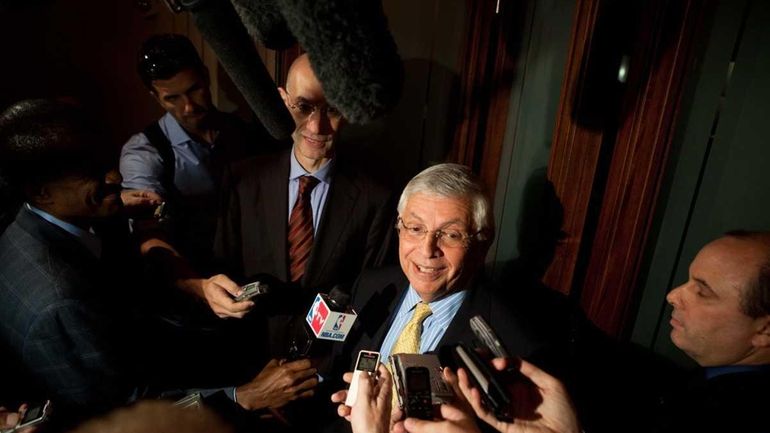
<point x="451" y="413"/>
<point x="414" y="425"/>
<point x="364" y="389"/>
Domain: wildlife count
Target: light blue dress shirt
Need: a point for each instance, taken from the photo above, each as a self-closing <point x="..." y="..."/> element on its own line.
<point x="434" y="326"/>
<point x="87" y="238"/>
<point x="319" y="193"/>
<point x="142" y="167"/>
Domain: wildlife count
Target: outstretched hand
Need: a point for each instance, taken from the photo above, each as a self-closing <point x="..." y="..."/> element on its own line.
<point x="539" y="406"/>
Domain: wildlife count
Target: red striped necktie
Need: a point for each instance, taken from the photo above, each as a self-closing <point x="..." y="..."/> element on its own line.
<point x="301" y="228"/>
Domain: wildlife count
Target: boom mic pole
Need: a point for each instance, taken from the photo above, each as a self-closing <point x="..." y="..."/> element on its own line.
<point x="223" y="29"/>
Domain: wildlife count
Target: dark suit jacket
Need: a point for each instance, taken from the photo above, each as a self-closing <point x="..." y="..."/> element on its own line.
<point x="734" y="402"/>
<point x="379" y="292"/>
<point x="252" y="233"/>
<point x="60" y="320"/>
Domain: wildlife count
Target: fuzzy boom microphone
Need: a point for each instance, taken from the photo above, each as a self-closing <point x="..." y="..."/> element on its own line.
<point x="264" y="21"/>
<point x="352" y="53"/>
<point x="224" y="31"/>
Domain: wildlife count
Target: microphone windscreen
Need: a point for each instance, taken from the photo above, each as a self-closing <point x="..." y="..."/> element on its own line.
<point x="352" y="53"/>
<point x="265" y="23"/>
<point x="339" y="296"/>
<point x="223" y="30"/>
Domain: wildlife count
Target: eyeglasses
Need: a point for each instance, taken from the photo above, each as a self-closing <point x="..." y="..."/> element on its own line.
<point x="305" y="109"/>
<point x="446" y="238"/>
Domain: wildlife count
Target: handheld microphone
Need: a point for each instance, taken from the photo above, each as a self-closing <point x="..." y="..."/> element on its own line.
<point x="329" y="319"/>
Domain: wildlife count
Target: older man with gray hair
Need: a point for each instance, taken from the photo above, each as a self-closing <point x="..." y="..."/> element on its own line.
<point x="445" y="228"/>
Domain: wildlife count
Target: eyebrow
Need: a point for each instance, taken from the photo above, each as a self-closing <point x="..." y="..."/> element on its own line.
<point x="703" y="283"/>
<point x="454" y="221"/>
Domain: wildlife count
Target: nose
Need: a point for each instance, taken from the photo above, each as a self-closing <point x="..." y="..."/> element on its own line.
<point x="674" y="297"/>
<point x="189" y="106"/>
<point x="429" y="245"/>
<point x="113" y="177"/>
<point x="318" y="122"/>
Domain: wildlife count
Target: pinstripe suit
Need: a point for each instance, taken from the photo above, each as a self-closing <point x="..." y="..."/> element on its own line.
<point x="58" y="320"/>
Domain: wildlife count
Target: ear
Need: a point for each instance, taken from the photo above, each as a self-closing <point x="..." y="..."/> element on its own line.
<point x="284" y="95"/>
<point x="762" y="338"/>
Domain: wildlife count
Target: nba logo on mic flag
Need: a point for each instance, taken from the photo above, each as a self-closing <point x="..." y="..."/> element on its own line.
<point x="319" y="317"/>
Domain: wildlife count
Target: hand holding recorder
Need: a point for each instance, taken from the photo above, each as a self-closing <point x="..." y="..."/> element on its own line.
<point x="539" y="405"/>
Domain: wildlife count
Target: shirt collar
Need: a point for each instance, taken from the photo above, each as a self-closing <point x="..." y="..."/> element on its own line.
<point x="412" y="299"/>
<point x="296" y="170"/>
<point x="87" y="238"/>
<point x="712" y="372"/>
<point x="176" y="134"/>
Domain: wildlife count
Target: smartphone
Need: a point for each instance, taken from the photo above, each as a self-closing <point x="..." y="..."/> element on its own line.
<point x="488" y="338"/>
<point x="251" y="290"/>
<point x="418" y="400"/>
<point x="440" y="390"/>
<point x="366" y="363"/>
<point x="33" y="416"/>
<point x="494" y="394"/>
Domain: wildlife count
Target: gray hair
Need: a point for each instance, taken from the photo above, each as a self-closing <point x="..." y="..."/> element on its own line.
<point x="454" y="181"/>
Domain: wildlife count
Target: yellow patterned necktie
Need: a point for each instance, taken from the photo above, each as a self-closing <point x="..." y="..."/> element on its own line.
<point x="409" y="339"/>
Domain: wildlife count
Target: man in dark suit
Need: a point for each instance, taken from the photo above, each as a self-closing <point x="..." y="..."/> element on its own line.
<point x="721" y="319"/>
<point x="60" y="312"/>
<point x="63" y="302"/>
<point x="310" y="237"/>
<point x="445" y="229"/>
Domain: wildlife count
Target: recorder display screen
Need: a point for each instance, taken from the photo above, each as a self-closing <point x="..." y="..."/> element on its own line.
<point x="368" y="361"/>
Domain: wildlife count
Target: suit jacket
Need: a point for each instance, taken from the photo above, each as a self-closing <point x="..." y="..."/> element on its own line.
<point x="378" y="295"/>
<point x="252" y="233"/>
<point x="60" y="320"/>
<point x="734" y="402"/>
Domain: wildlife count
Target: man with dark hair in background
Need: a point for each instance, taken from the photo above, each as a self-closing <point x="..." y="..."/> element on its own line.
<point x="179" y="160"/>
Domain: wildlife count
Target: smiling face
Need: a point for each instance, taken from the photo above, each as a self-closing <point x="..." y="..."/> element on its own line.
<point x="317" y="124"/>
<point x="187" y="97"/>
<point x="707" y="320"/>
<point x="433" y="269"/>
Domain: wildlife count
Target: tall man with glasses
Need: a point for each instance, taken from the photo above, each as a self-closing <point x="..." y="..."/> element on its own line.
<point x="306" y="216"/>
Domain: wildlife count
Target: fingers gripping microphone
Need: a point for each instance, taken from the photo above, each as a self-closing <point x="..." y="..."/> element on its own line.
<point x="223" y="30"/>
<point x="329" y="319"/>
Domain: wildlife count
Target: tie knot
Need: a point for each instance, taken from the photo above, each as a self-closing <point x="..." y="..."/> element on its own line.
<point x="421" y="312"/>
<point x="306" y="184"/>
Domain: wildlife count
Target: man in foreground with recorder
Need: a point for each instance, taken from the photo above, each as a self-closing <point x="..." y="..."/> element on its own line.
<point x="445" y="228"/>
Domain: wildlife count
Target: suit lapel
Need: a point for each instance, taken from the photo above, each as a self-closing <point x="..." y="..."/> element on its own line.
<point x="477" y="302"/>
<point x="340" y="203"/>
<point x="377" y="312"/>
<point x="274" y="203"/>
<point x="55" y="238"/>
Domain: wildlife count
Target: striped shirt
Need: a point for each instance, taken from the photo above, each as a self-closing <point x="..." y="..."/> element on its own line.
<point x="433" y="328"/>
